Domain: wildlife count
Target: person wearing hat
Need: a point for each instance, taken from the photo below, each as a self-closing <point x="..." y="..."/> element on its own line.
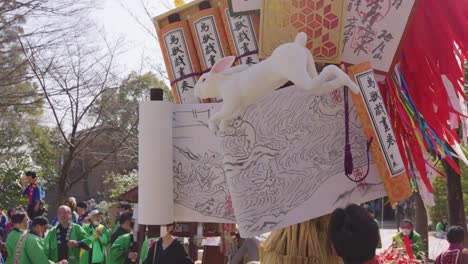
<point x="99" y="237"/>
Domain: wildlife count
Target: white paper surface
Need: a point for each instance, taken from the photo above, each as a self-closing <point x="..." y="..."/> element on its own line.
<point x="200" y="190"/>
<point x="284" y="161"/>
<point x="373" y="30"/>
<point x="155" y="183"/>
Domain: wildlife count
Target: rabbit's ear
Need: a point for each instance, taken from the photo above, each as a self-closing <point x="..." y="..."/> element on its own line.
<point x="179" y="167"/>
<point x="223" y="64"/>
<point x="206" y="158"/>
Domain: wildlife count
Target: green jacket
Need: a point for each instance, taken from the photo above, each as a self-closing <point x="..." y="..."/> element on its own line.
<point x="51" y="249"/>
<point x="32" y="250"/>
<point x="11" y="242"/>
<point x="120" y="249"/>
<point x="98" y="244"/>
<point x="440" y="227"/>
<point x="416" y="243"/>
<point x="145" y="248"/>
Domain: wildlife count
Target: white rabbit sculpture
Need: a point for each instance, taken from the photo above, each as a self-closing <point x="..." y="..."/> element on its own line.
<point x="243" y="85"/>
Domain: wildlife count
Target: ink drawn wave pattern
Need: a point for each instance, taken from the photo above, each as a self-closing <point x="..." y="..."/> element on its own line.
<point x="276" y="156"/>
<point x="199" y="178"/>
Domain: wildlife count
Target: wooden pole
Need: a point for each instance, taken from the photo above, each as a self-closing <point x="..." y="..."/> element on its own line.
<point x="382" y="214"/>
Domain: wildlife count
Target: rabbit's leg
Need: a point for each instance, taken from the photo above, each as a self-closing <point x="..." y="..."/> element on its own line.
<point x="301" y="78"/>
<point x="237" y="114"/>
<point x="231" y="103"/>
<point x="335" y="78"/>
<point x="311" y="69"/>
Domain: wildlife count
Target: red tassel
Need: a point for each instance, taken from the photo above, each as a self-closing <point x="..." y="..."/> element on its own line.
<point x="409" y="249"/>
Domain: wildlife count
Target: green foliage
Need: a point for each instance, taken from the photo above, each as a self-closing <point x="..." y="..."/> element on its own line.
<point x="10" y="172"/>
<point x="20" y="107"/>
<point x="118" y="107"/>
<point x="119" y="183"/>
<point x="440" y="196"/>
<point x="45" y="143"/>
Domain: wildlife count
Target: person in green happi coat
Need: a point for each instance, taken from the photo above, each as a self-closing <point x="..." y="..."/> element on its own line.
<point x="123" y="208"/>
<point x="20" y="222"/>
<point x="99" y="237"/>
<point x="123" y="249"/>
<point x="31" y="245"/>
<point x="65" y="240"/>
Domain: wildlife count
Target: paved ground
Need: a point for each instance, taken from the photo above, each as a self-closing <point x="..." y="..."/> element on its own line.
<point x="436" y="246"/>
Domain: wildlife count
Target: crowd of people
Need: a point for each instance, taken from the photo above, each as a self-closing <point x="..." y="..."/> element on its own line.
<point x="78" y="235"/>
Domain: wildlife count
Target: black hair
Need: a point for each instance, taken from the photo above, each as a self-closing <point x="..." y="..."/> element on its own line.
<point x="31" y="173"/>
<point x="455" y="235"/>
<point x="173" y="224"/>
<point x="10" y="212"/>
<point x="2" y="233"/>
<point x="125" y="217"/>
<point x="408" y="221"/>
<point x="18" y="217"/>
<point x="125" y="206"/>
<point x="82" y="205"/>
<point x="40" y="220"/>
<point x="353" y="233"/>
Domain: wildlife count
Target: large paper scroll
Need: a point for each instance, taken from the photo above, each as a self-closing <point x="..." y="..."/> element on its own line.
<point x="200" y="190"/>
<point x="280" y="164"/>
<point x="181" y="177"/>
<point x="154" y="165"/>
<point x="373" y="30"/>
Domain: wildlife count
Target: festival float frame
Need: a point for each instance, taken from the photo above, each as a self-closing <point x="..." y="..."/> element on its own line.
<point x="281" y="14"/>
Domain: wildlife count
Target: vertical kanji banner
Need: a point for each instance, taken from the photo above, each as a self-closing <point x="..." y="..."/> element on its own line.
<point x="209" y="36"/>
<point x="377" y="126"/>
<point x="181" y="60"/>
<point x="242" y="33"/>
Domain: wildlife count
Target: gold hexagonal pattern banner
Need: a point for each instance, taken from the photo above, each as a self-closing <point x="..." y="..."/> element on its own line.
<point x="321" y="20"/>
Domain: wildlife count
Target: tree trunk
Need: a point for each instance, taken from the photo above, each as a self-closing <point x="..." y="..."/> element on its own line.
<point x="455" y="198"/>
<point x="421" y="221"/>
<point x="60" y="198"/>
